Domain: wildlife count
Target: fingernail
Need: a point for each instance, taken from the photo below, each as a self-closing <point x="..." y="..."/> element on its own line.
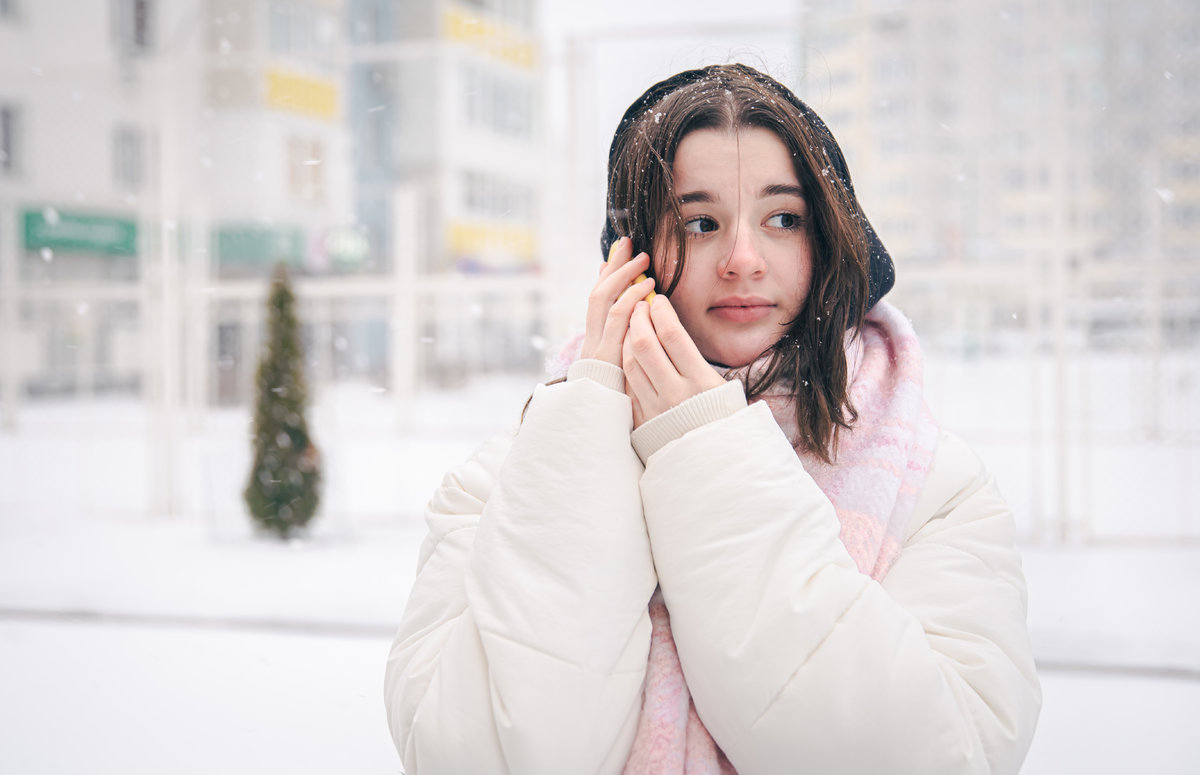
<point x="613" y="250"/>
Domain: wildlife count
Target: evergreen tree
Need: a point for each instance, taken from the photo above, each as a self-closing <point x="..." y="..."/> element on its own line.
<point x="283" y="490"/>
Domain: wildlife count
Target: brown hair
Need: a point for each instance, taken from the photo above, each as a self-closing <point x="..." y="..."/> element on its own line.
<point x="643" y="205"/>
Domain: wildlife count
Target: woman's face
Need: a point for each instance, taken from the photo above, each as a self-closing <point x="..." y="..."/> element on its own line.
<point x="748" y="265"/>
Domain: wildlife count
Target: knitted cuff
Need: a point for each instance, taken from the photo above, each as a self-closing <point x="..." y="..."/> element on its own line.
<point x="713" y="404"/>
<point x="603" y="372"/>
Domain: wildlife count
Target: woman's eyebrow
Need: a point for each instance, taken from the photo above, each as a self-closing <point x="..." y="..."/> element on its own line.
<point x="697" y="196"/>
<point x="781" y="189"/>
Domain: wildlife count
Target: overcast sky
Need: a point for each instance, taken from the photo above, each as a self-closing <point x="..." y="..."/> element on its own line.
<point x="630" y="44"/>
<point x="567" y="17"/>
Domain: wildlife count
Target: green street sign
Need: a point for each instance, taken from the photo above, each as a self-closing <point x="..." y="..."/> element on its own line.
<point x="79" y="233"/>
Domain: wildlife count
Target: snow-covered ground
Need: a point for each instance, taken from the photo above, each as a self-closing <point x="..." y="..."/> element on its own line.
<point x="84" y="697"/>
<point x="156" y="647"/>
<point x="136" y="643"/>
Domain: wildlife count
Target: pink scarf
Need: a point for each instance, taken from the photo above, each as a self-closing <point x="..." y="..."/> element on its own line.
<point x="873" y="485"/>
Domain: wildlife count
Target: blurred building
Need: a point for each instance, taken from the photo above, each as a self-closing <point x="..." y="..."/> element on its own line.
<point x="75" y="144"/>
<point x="1046" y="153"/>
<point x="447" y="129"/>
<point x="157" y="154"/>
<point x="158" y="158"/>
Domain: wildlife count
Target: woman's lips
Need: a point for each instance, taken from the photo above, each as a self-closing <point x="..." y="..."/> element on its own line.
<point x="742" y="310"/>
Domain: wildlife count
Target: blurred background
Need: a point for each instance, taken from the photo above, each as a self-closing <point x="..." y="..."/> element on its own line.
<point x="432" y="173"/>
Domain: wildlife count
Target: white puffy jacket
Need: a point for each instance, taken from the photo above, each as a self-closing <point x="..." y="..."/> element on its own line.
<point x="524" y="643"/>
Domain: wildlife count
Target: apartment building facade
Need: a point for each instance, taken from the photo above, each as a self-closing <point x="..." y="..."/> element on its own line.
<point x="1044" y="147"/>
<point x="157" y="159"/>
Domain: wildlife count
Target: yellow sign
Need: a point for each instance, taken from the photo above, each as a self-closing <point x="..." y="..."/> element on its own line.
<point x="301" y="94"/>
<point x="493" y="38"/>
<point x="483" y="241"/>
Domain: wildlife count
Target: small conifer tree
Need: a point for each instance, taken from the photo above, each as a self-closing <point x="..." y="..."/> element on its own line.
<point x="284" y="486"/>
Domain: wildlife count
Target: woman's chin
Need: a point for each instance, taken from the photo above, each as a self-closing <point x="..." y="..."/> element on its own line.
<point x="734" y="357"/>
<point x="737" y="354"/>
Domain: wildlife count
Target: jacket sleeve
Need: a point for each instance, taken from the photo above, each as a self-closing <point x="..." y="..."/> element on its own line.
<point x="794" y="658"/>
<point x="524" y="642"/>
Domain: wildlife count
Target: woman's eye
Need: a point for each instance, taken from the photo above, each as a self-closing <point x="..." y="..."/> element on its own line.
<point x="700" y="226"/>
<point x="784" y="221"/>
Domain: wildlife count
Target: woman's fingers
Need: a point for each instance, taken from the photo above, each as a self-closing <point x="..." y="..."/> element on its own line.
<point x="608" y="311"/>
<point x="646" y="350"/>
<point x="648" y="370"/>
<point x="608" y="322"/>
<point x="620" y="256"/>
<point x="624" y="306"/>
<point x="663" y="367"/>
<point x="639" y="415"/>
<point x="620" y="251"/>
<point x="616" y="323"/>
<point x="679" y="346"/>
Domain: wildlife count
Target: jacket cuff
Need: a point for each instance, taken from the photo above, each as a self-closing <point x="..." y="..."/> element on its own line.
<point x="713" y="404"/>
<point x="602" y="372"/>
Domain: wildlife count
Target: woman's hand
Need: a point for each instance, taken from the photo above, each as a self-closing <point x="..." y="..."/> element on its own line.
<point x="663" y="367"/>
<point x="612" y="300"/>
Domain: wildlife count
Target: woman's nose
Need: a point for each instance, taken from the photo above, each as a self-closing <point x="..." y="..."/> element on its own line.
<point x="745" y="258"/>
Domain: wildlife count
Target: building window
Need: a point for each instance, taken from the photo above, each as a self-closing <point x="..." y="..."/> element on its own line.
<point x="497" y="103"/>
<point x="301" y="28"/>
<point x="492" y="196"/>
<point x="376" y="138"/>
<point x="129" y="158"/>
<point x="305" y="160"/>
<point x="132" y="25"/>
<point x="9" y="140"/>
<point x="291" y="28"/>
<point x="1187" y="217"/>
<point x="369" y="23"/>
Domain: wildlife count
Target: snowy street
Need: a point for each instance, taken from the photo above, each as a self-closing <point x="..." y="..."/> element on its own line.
<point x="237" y="700"/>
<point x="151" y="698"/>
<point x="164" y="651"/>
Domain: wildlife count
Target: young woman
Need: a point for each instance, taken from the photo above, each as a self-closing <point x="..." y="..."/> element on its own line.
<point x="733" y="538"/>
